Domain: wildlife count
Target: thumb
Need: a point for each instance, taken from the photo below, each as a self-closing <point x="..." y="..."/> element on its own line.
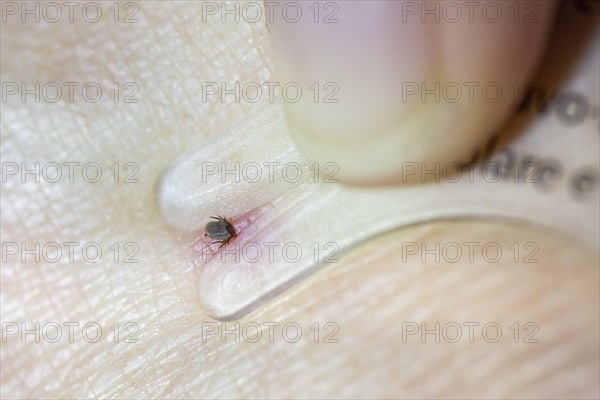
<point x="387" y="83"/>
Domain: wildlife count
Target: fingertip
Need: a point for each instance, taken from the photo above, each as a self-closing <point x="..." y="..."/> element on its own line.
<point x="378" y="93"/>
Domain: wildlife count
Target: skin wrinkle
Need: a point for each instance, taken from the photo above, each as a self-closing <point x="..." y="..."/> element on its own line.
<point x="152" y="291"/>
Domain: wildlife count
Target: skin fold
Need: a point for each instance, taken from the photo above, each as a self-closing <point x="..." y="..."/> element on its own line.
<point x="372" y="295"/>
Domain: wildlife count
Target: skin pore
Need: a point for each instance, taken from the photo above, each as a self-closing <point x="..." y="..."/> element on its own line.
<point x="372" y="295"/>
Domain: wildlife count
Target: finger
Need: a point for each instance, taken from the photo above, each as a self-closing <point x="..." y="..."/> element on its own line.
<point x="397" y="82"/>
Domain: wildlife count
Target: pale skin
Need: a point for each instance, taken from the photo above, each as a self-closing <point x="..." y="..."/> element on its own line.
<point x="369" y="294"/>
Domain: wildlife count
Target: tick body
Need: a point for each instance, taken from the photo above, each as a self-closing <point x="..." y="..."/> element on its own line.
<point x="221" y="231"/>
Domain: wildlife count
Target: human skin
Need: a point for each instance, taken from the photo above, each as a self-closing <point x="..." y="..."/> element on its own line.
<point x="368" y="294"/>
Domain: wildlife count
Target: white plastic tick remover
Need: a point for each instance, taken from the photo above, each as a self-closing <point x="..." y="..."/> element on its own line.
<point x="290" y="216"/>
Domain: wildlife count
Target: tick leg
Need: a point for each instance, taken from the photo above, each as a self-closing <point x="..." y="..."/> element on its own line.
<point x="223" y="242"/>
<point x="222" y="219"/>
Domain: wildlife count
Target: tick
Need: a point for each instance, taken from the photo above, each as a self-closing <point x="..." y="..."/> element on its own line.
<point x="221" y="230"/>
